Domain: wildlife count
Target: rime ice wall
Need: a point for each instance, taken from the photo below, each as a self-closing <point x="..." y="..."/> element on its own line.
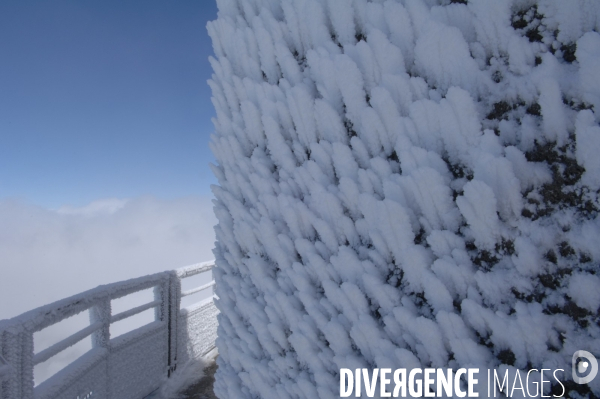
<point x="402" y="184"/>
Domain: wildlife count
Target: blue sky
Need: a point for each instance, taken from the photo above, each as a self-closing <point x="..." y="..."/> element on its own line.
<point x="104" y="99"/>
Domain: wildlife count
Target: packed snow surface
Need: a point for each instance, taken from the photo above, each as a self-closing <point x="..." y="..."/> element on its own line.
<point x="409" y="183"/>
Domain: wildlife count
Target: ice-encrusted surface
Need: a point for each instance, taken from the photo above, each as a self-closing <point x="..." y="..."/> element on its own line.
<point x="129" y="366"/>
<point x="89" y="373"/>
<point x="197" y="331"/>
<point x="404" y="183"/>
<point x="144" y="351"/>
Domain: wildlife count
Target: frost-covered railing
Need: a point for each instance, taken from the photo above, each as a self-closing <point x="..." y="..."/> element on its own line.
<point x="129" y="366"/>
<point x="196" y="324"/>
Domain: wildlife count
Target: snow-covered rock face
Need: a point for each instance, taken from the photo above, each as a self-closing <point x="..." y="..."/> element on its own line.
<point x="404" y="183"/>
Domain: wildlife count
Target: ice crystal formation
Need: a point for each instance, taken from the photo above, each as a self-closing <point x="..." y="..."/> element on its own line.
<point x="409" y="183"/>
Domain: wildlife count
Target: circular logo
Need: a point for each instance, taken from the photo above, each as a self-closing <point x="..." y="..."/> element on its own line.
<point x="584" y="363"/>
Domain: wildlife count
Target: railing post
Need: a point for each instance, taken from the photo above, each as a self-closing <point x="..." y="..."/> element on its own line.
<point x="27" y="351"/>
<point x="101" y="312"/>
<point x="12" y="351"/>
<point x="174" y="297"/>
<point x="161" y="293"/>
<point x="17" y="350"/>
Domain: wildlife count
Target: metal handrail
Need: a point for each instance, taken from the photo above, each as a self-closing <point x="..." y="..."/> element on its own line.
<point x="134" y="311"/>
<point x="65" y="343"/>
<point x="47" y="315"/>
<point x="197" y="289"/>
<point x="16" y="334"/>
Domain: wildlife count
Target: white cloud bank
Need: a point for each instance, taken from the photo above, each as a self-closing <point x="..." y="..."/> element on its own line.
<point x="47" y="255"/>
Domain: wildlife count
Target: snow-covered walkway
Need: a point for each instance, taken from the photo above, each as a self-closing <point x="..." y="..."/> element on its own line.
<point x="203" y="388"/>
<point x="194" y="382"/>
